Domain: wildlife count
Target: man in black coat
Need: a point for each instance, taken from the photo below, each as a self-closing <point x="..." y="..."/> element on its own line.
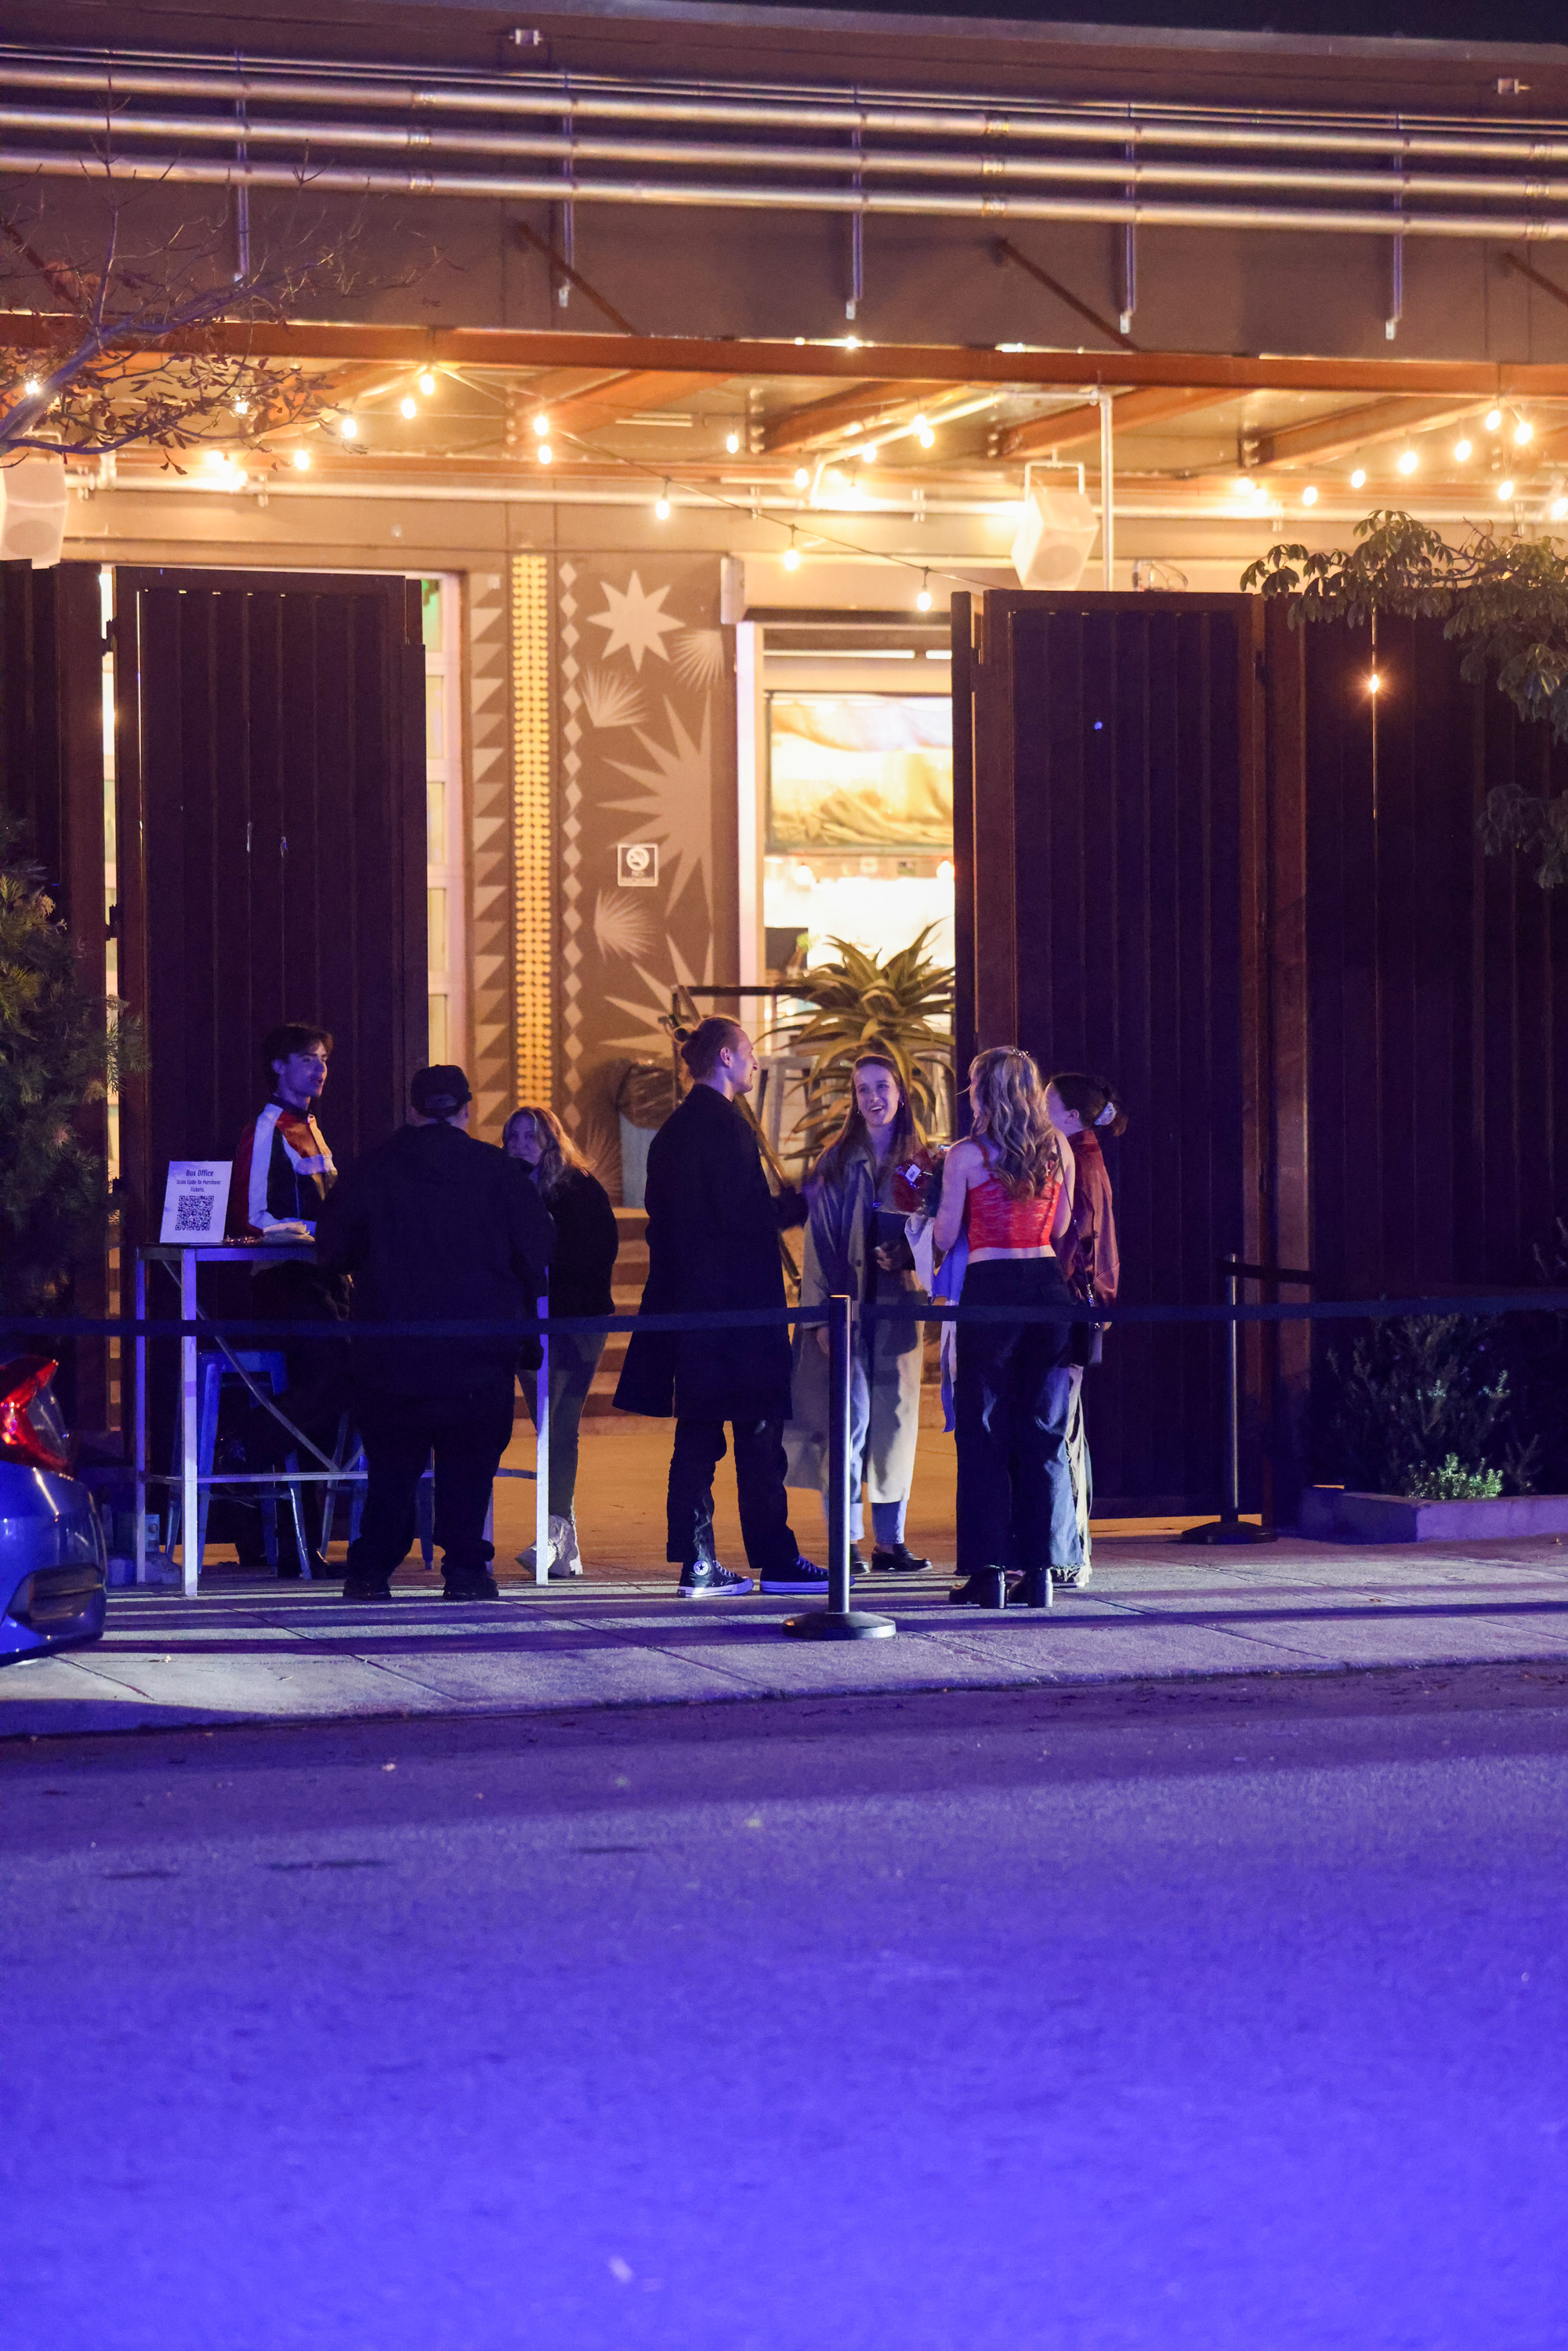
<point x="436" y="1227"/>
<point x="713" y="1241"/>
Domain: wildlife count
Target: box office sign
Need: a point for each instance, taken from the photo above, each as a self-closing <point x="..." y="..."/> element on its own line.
<point x="637" y="864"/>
<point x="196" y="1200"/>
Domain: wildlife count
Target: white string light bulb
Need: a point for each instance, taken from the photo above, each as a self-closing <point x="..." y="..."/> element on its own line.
<point x="801" y="477"/>
<point x="1523" y="431"/>
<point x="663" y="507"/>
<point x="1494" y="418"/>
<point x="541" y="425"/>
<point x="242" y="407"/>
<point x="545" y="453"/>
<point x="349" y="429"/>
<point x="1408" y="461"/>
<point x="924" y="599"/>
<point x="1310" y="495"/>
<point x="792" y="555"/>
<point x="1504" y="492"/>
<point x="732" y="442"/>
<point x="1358" y="479"/>
<point x="1461" y="450"/>
<point x="427" y="383"/>
<point x="408" y="405"/>
<point x="1560" y="510"/>
<point x="302" y="460"/>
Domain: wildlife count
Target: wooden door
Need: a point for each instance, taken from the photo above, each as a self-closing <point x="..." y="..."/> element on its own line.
<point x="270" y="749"/>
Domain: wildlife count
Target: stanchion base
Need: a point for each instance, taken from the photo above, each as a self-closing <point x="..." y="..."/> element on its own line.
<point x="839" y="1625"/>
<point x="1228" y="1530"/>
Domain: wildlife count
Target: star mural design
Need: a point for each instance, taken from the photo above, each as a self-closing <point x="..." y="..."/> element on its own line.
<point x="635" y="620"/>
<point x="675" y="805"/>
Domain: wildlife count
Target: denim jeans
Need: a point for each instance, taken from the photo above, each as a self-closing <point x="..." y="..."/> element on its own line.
<point x="1017" y="1506"/>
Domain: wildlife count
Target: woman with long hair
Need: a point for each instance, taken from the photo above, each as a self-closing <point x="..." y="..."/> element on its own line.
<point x="867" y="1182"/>
<point x="587" y="1239"/>
<point x="1010" y="1186"/>
<point x="1086" y="1109"/>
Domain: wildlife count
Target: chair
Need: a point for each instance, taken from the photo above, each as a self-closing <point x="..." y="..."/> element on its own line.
<point x="265" y="1366"/>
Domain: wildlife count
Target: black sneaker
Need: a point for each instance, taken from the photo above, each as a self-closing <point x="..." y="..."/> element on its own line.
<point x="987" y="1588"/>
<point x="470" y="1587"/>
<point x="353" y="1589"/>
<point x="1074" y="1578"/>
<point x="899" y="1560"/>
<point x="799" y="1582"/>
<point x="857" y="1562"/>
<point x="704" y="1579"/>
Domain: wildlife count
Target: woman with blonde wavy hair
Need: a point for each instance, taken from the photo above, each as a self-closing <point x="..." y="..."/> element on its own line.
<point x="1008" y="1188"/>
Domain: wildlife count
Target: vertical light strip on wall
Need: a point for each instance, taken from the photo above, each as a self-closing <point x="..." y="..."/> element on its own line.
<point x="533" y="898"/>
<point x="446" y="894"/>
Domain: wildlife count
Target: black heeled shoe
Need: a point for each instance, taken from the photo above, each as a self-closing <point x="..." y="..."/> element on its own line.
<point x="987" y="1588"/>
<point x="1033" y="1591"/>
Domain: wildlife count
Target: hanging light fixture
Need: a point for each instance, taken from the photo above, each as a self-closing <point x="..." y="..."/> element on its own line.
<point x="408" y="405"/>
<point x="1493" y="419"/>
<point x="1408" y="461"/>
<point x="541" y="425"/>
<point x="791" y="554"/>
<point x="427" y="383"/>
<point x="1461" y="450"/>
<point x="544" y="452"/>
<point x="1310" y="495"/>
<point x="1358" y="479"/>
<point x="924" y="599"/>
<point x="662" y="508"/>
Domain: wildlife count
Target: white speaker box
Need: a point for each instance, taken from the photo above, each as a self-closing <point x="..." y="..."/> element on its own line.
<point x="1054" y="539"/>
<point x="32" y="509"/>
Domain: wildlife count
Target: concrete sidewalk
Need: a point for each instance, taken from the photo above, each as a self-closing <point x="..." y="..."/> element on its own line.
<point x="254" y="1650"/>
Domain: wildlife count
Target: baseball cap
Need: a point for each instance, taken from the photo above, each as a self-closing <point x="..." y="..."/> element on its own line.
<point x="439" y="1091"/>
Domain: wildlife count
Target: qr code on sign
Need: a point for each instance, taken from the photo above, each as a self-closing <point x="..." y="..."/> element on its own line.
<point x="193" y="1212"/>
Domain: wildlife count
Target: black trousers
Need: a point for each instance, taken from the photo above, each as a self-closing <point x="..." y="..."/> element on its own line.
<point x="1012" y="1404"/>
<point x="760" y="1467"/>
<point x="467" y="1431"/>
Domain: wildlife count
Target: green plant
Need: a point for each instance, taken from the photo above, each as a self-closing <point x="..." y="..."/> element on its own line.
<point x="903" y="1008"/>
<point x="1420" y="1397"/>
<point x="1503" y="598"/>
<point x="1450" y="1483"/>
<point x="58" y="1054"/>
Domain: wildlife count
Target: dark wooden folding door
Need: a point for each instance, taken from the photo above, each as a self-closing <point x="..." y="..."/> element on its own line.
<point x="271" y="742"/>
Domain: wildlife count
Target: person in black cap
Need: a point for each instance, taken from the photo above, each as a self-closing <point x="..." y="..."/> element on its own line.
<point x="435" y="1226"/>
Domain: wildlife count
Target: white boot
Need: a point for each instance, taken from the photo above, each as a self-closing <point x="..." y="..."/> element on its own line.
<point x="565" y="1558"/>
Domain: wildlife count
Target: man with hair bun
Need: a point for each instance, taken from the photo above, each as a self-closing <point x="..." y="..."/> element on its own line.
<point x="713" y="1242"/>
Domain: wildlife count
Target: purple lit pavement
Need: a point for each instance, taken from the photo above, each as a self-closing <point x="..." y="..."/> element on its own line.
<point x="1224" y="2015"/>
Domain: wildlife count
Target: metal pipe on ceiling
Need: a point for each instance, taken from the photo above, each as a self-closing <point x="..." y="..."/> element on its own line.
<point x="337" y="133"/>
<point x="937" y="203"/>
<point x="786" y="106"/>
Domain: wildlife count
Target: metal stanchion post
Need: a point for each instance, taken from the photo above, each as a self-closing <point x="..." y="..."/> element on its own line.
<point x="190" y="1496"/>
<point x="541" y="1452"/>
<point x="838" y="1621"/>
<point x="139" y="1408"/>
<point x="1230" y="1527"/>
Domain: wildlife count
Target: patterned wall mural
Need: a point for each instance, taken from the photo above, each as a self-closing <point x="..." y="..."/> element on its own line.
<point x="645" y="853"/>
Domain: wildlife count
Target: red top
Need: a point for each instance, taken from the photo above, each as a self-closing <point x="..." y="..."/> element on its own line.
<point x="1088" y="1250"/>
<point x="997" y="1221"/>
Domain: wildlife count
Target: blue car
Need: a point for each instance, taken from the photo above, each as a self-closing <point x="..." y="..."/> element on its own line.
<point x="52" y="1563"/>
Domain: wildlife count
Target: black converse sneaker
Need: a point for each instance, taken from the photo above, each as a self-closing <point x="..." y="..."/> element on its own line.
<point x="799" y="1582"/>
<point x="704" y="1579"/>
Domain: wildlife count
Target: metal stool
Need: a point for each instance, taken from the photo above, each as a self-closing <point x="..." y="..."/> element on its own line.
<point x="213" y="1369"/>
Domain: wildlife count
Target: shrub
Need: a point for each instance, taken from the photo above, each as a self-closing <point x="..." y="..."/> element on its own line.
<point x="1452" y="1484"/>
<point x="1420" y="1398"/>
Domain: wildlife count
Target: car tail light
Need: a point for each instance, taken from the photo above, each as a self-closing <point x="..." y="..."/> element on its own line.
<point x="31" y="1427"/>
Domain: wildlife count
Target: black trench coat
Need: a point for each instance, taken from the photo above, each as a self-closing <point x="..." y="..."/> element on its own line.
<point x="713" y="1241"/>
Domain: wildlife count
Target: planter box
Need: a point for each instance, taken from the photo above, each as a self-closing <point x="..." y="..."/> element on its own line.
<point x="1335" y="1514"/>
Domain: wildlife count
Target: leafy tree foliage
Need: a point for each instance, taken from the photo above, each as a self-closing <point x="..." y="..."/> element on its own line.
<point x="903" y="1008"/>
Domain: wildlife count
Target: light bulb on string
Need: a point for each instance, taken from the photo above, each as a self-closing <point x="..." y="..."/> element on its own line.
<point x="1504" y="492"/>
<point x="1408" y="461"/>
<point x="1523" y="431"/>
<point x="1375" y="683"/>
<point x="541" y="425"/>
<point x="408" y="405"/>
<point x="732" y="442"/>
<point x="302" y="460"/>
<point x="869" y="453"/>
<point x="1358" y="479"/>
<point x="1493" y="419"/>
<point x="427" y="383"/>
<point x="32" y="386"/>
<point x="662" y="506"/>
<point x="1461" y="450"/>
<point x="1560" y="510"/>
<point x="544" y="452"/>
<point x="924" y="599"/>
<point x="349" y="429"/>
<point x="792" y="555"/>
<point x="801" y="477"/>
<point x="242" y="407"/>
<point x="1310" y="495"/>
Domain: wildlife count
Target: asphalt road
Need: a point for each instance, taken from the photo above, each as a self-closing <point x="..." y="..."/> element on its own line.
<point x="1230" y="2016"/>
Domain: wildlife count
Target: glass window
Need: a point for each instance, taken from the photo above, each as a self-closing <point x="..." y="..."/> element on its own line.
<point x="430" y="615"/>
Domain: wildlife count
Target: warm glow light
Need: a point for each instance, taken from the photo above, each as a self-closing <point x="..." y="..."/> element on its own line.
<point x="1461" y="450"/>
<point x="1560" y="510"/>
<point x="732" y="442"/>
<point x="1494" y="418"/>
<point x="1310" y="496"/>
<point x="801" y="477"/>
<point x="1407" y="461"/>
<point x="927" y="439"/>
<point x="1523" y="431"/>
<point x="242" y="408"/>
<point x="1375" y="683"/>
<point x="32" y="386"/>
<point x="349" y="429"/>
<point x="214" y="457"/>
<point x="1358" y="479"/>
<point x="1243" y="488"/>
<point x="302" y="460"/>
<point x="545" y="453"/>
<point x="791" y="557"/>
<point x="924" y="599"/>
<point x="922" y="425"/>
<point x="663" y="507"/>
<point x="803" y="878"/>
<point x="869" y="454"/>
<point x="945" y="869"/>
<point x="541" y="425"/>
<point x="427" y="383"/>
<point x="408" y="406"/>
<point x="1504" y="492"/>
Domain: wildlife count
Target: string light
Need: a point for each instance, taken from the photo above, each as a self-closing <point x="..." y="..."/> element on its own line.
<point x="924" y="599"/>
<point x="663" y="507"/>
<point x="792" y="555"/>
<point x="924" y="434"/>
<point x="1407" y="461"/>
<point x="427" y="383"/>
<point x="242" y="408"/>
<point x="1358" y="479"/>
<point x="869" y="453"/>
<point x="1375" y="683"/>
<point x="1504" y="492"/>
<point x="541" y="425"/>
<point x="1523" y="431"/>
<point x="1493" y="419"/>
<point x="302" y="460"/>
<point x="1560" y="510"/>
<point x="32" y="386"/>
<point x="1461" y="450"/>
<point x="544" y="452"/>
<point x="409" y="406"/>
<point x="349" y="429"/>
<point x="1310" y="495"/>
<point x="732" y="442"/>
<point x="801" y="477"/>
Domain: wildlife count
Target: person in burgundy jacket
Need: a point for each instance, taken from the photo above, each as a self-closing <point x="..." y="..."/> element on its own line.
<point x="1084" y="1108"/>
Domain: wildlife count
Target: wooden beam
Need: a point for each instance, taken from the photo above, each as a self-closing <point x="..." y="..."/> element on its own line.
<point x="828" y="419"/>
<point x="523" y="348"/>
<point x="1358" y="428"/>
<point x="623" y="396"/>
<point x="1069" y="428"/>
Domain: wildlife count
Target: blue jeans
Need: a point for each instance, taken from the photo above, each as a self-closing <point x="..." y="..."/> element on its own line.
<point x="1016" y="1507"/>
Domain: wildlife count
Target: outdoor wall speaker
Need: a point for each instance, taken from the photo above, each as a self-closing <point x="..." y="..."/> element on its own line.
<point x="32" y="509"/>
<point x="1054" y="539"/>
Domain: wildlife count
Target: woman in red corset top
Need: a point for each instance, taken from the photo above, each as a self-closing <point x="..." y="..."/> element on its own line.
<point x="1010" y="1185"/>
